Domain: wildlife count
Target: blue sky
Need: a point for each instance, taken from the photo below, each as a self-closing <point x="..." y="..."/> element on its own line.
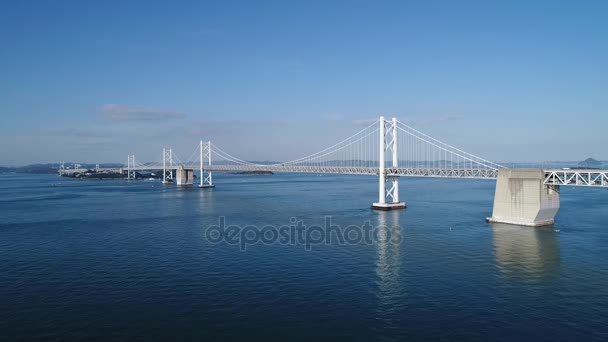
<point x="93" y="81"/>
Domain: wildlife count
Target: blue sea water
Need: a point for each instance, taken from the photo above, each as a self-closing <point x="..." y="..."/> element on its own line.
<point x="119" y="260"/>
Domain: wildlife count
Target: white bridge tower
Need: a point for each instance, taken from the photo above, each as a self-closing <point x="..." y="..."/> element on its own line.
<point x="206" y="180"/>
<point x="130" y="166"/>
<point x="388" y="186"/>
<point x="167" y="171"/>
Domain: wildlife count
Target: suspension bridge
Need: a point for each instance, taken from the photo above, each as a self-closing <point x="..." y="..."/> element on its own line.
<point x="391" y="149"/>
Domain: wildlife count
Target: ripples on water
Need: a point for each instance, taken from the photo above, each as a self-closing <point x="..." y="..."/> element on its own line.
<point x="129" y="260"/>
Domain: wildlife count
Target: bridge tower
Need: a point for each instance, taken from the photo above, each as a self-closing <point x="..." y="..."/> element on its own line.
<point x="388" y="186"/>
<point x="167" y="172"/>
<point x="130" y="166"/>
<point x="206" y="181"/>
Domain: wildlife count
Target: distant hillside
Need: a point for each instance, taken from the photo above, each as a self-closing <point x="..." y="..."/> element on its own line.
<point x="559" y="164"/>
<point x="34" y="168"/>
<point x="590" y="162"/>
<point x="49" y="168"/>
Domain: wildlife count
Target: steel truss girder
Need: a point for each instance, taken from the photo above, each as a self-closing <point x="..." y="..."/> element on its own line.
<point x="593" y="178"/>
<point x="349" y="170"/>
<point x="443" y="173"/>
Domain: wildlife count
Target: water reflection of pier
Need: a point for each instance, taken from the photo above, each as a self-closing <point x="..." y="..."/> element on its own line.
<point x="391" y="293"/>
<point x="529" y="254"/>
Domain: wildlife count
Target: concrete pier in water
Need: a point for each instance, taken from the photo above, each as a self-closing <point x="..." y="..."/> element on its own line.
<point x="184" y="176"/>
<point x="522" y="198"/>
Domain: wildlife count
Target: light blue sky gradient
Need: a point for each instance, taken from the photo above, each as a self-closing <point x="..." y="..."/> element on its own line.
<point x="92" y="81"/>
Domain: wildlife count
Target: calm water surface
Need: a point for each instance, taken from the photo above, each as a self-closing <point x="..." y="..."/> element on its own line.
<point x="103" y="260"/>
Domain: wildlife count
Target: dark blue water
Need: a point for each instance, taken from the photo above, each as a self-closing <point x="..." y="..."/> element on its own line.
<point x="118" y="260"/>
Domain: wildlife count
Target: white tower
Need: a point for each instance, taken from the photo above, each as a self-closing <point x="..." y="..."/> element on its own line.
<point x="388" y="186"/>
<point x="206" y="181"/>
<point x="167" y="172"/>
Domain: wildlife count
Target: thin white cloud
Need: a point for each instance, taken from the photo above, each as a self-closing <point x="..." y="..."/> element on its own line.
<point x="417" y="121"/>
<point x="76" y="132"/>
<point x="333" y="117"/>
<point x="118" y="113"/>
<point x="365" y="122"/>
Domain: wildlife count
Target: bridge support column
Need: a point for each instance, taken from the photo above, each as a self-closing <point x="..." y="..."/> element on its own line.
<point x="184" y="176"/>
<point x="522" y="198"/>
<point x="388" y="187"/>
<point x="206" y="178"/>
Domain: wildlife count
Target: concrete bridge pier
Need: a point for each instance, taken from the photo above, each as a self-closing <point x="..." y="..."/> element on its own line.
<point x="184" y="176"/>
<point x="522" y="198"/>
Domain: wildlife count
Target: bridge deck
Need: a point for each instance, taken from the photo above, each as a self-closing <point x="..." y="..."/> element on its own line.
<point x="576" y="177"/>
<point x="348" y="170"/>
<point x="570" y="177"/>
